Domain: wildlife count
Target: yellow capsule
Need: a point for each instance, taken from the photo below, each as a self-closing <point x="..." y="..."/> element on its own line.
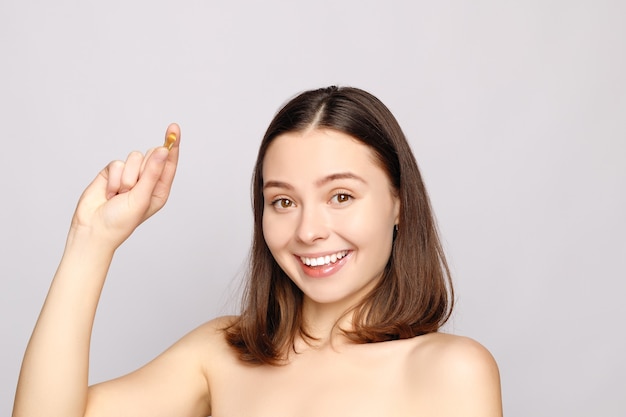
<point x="170" y="140"/>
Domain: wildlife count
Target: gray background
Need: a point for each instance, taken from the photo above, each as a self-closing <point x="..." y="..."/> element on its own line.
<point x="515" y="111"/>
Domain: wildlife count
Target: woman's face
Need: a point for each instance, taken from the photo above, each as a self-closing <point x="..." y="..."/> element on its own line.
<point x="329" y="214"/>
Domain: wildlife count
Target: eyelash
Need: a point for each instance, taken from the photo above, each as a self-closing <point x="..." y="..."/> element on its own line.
<point x="277" y="202"/>
<point x="342" y="193"/>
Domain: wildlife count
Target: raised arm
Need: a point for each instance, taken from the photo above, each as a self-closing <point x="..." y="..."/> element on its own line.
<point x="54" y="375"/>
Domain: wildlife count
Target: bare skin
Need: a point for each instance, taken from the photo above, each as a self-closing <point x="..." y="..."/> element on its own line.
<point x="432" y="375"/>
<point x="200" y="375"/>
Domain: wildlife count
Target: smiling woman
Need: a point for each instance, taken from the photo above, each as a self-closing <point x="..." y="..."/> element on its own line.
<point x="326" y="144"/>
<point x="346" y="290"/>
<point x="335" y="190"/>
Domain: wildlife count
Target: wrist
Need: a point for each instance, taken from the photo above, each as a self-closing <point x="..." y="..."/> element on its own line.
<point x="85" y="240"/>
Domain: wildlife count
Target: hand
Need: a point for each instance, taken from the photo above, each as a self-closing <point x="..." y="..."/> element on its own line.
<point x="125" y="194"/>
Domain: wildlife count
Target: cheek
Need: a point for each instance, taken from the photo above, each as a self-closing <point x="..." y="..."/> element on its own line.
<point x="275" y="232"/>
<point x="367" y="227"/>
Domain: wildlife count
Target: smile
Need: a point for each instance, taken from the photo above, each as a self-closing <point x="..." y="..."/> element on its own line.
<point x="323" y="260"/>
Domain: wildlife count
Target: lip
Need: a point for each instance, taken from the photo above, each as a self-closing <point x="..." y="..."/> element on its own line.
<point x="323" y="271"/>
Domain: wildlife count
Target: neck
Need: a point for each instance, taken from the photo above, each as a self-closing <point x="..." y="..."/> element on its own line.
<point x="325" y="322"/>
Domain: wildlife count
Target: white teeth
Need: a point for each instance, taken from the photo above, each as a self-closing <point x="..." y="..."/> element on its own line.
<point x="323" y="260"/>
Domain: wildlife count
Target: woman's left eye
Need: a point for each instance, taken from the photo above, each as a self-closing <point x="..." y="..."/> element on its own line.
<point x="341" y="198"/>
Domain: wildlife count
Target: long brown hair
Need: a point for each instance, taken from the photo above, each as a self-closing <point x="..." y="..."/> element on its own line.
<point x="414" y="296"/>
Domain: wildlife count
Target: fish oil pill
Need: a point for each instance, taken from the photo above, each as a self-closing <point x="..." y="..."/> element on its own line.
<point x="170" y="140"/>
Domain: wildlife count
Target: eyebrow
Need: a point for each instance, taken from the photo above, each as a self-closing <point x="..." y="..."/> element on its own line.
<point x="320" y="182"/>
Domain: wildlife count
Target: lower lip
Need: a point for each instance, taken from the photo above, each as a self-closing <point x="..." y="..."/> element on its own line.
<point x="326" y="270"/>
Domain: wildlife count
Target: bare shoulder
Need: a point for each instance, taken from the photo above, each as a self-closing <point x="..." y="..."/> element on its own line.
<point x="214" y="328"/>
<point x="174" y="383"/>
<point x="218" y="355"/>
<point x="453" y="353"/>
<point x="459" y="374"/>
<point x="209" y="337"/>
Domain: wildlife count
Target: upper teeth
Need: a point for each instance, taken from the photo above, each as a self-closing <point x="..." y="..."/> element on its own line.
<point x="323" y="260"/>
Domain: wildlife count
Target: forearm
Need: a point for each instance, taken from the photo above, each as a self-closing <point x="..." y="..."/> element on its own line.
<point x="54" y="376"/>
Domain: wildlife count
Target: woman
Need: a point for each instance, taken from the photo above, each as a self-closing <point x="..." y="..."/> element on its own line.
<point x="347" y="288"/>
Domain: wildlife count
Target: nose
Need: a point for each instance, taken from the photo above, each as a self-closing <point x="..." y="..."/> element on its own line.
<point x="312" y="226"/>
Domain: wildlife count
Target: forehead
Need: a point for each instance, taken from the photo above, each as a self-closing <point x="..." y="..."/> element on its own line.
<point x="308" y="155"/>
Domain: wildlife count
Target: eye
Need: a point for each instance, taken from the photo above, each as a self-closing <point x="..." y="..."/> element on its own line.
<point x="283" y="203"/>
<point x="341" y="198"/>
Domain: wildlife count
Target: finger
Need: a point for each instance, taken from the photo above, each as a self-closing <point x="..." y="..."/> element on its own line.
<point x="113" y="174"/>
<point x="145" y="159"/>
<point x="141" y="194"/>
<point x="131" y="171"/>
<point x="164" y="185"/>
<point x="173" y="129"/>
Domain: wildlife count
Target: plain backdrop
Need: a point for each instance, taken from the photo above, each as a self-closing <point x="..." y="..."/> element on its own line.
<point x="516" y="111"/>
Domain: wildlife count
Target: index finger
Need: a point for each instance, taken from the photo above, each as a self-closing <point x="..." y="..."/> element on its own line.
<point x="163" y="186"/>
<point x="172" y="140"/>
<point x="172" y="136"/>
<point x="173" y="130"/>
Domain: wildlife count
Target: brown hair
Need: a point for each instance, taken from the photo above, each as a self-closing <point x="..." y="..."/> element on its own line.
<point x="414" y="296"/>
